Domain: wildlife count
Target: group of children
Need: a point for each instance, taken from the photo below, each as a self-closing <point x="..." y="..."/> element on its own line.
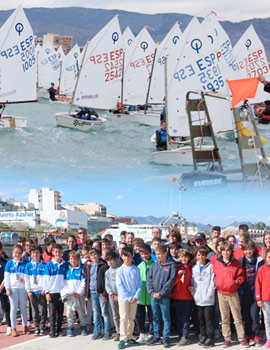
<point x="157" y="288"/>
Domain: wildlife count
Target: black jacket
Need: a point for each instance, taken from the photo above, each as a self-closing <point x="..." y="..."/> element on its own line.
<point x="101" y="269"/>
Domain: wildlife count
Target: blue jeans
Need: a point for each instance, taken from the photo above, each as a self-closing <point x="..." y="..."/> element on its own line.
<point x="100" y="309"/>
<point x="161" y="312"/>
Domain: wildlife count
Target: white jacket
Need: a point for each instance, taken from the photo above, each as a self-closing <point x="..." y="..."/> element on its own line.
<point x="204" y="285"/>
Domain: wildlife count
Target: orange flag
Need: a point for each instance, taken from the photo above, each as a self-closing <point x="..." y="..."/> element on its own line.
<point x="242" y="89"/>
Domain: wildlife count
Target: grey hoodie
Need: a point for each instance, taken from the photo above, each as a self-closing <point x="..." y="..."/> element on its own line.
<point x="160" y="278"/>
<point x="203" y="283"/>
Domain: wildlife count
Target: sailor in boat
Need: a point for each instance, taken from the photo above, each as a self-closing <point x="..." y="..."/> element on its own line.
<point x="263" y="111"/>
<point x="161" y="137"/>
<point x="52" y="92"/>
<point x="87" y="114"/>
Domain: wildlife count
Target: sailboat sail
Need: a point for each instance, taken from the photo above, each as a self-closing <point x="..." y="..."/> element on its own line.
<point x="127" y="38"/>
<point x="48" y="66"/>
<point x="17" y="59"/>
<point x="99" y="81"/>
<point x="252" y="61"/>
<point x="197" y="69"/>
<point x="170" y="45"/>
<point x="70" y="70"/>
<point x="138" y="64"/>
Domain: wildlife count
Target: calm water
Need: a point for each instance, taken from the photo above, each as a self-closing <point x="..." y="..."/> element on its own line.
<point x="45" y="149"/>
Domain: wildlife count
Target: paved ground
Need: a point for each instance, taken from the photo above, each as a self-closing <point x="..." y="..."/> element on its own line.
<point x="30" y="342"/>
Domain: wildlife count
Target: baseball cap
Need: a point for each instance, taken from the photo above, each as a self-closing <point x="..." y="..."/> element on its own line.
<point x="199" y="236"/>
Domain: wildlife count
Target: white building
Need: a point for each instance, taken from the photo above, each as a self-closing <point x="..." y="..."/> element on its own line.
<point x="45" y="199"/>
<point x="64" y="219"/>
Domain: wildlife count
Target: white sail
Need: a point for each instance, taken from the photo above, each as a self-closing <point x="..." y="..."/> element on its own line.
<point x="252" y="60"/>
<point x="170" y="45"/>
<point x="127" y="37"/>
<point x="17" y="59"/>
<point x="99" y="82"/>
<point x="197" y="69"/>
<point x="138" y="64"/>
<point x="60" y="54"/>
<point x="48" y="66"/>
<point x="70" y="70"/>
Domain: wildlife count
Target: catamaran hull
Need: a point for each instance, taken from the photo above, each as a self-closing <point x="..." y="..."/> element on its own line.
<point x="68" y="121"/>
<point x="151" y="119"/>
<point x="11" y="122"/>
<point x="179" y="156"/>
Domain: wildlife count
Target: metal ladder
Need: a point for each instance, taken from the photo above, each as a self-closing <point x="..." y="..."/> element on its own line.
<point x="200" y="155"/>
<point x="260" y="168"/>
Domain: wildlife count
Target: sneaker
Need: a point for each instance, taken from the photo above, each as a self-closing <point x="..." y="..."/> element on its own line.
<point x="96" y="336"/>
<point x="257" y="341"/>
<point x="143" y="338"/>
<point x="251" y="341"/>
<point x="107" y="336"/>
<point x="244" y="343"/>
<point x="8" y="332"/>
<point x="217" y="334"/>
<point x="267" y="344"/>
<point x="122" y="344"/>
<point x="36" y="332"/>
<point x="202" y="340"/>
<point x="116" y="337"/>
<point x="83" y="331"/>
<point x="132" y="342"/>
<point x="184" y="341"/>
<point x="42" y="332"/>
<point x="70" y="332"/>
<point x="153" y="341"/>
<point x="208" y="343"/>
<point x="227" y="344"/>
<point x="166" y="343"/>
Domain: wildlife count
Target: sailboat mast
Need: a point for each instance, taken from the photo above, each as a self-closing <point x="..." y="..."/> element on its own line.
<point x="166" y="99"/>
<point x="122" y="84"/>
<point x="60" y="76"/>
<point x="78" y="77"/>
<point x="150" y="81"/>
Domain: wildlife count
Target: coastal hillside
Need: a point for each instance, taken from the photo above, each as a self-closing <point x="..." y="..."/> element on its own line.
<point x="84" y="23"/>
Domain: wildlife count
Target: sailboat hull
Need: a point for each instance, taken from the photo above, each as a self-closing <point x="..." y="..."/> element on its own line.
<point x="11" y="122"/>
<point x="151" y="119"/>
<point x="179" y="156"/>
<point x="42" y="93"/>
<point x="69" y="121"/>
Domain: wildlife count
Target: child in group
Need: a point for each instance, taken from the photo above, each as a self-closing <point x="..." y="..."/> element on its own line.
<point x="174" y="252"/>
<point x="129" y="239"/>
<point x="73" y="294"/>
<point x="156" y="242"/>
<point x="203" y="291"/>
<point x="110" y="285"/>
<point x="137" y="244"/>
<point x="181" y="296"/>
<point x="28" y="245"/>
<point x="71" y="245"/>
<point x="229" y="275"/>
<point x="242" y="240"/>
<point x="85" y="255"/>
<point x="159" y="284"/>
<point x="96" y="292"/>
<point x="145" y="299"/>
<point x="35" y="288"/>
<point x="3" y="297"/>
<point x="249" y="307"/>
<point x="263" y="293"/>
<point x="15" y="288"/>
<point x="54" y="278"/>
<point x="128" y="283"/>
<point x="48" y="255"/>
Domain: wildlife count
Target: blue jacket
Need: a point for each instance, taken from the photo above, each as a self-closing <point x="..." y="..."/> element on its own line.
<point x="55" y="276"/>
<point x="13" y="272"/>
<point x="34" y="277"/>
<point x="128" y="283"/>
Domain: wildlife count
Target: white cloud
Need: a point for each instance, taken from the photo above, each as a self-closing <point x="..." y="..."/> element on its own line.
<point x="119" y="197"/>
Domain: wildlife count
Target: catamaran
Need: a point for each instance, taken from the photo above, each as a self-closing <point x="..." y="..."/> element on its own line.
<point x="17" y="66"/>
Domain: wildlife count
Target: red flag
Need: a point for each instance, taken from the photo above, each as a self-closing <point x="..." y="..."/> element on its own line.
<point x="175" y="179"/>
<point x="242" y="89"/>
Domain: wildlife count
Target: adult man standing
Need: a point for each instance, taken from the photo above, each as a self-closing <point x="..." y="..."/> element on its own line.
<point x="156" y="232"/>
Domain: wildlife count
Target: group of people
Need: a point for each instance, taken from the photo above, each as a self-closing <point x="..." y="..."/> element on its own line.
<point x="162" y="286"/>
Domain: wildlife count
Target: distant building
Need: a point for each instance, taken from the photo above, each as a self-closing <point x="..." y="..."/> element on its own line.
<point x="59" y="40"/>
<point x="92" y="209"/>
<point x="38" y="40"/>
<point x="45" y="199"/>
<point x="127" y="221"/>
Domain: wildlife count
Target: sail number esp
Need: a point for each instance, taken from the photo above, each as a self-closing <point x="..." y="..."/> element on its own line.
<point x="25" y="49"/>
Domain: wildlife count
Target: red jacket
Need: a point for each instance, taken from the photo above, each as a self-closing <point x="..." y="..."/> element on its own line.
<point x="228" y="278"/>
<point x="238" y="253"/>
<point x="180" y="289"/>
<point x="213" y="258"/>
<point x="262" y="283"/>
<point x="47" y="256"/>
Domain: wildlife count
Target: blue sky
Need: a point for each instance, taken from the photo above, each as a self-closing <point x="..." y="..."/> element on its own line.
<point x="234" y="10"/>
<point x="142" y="196"/>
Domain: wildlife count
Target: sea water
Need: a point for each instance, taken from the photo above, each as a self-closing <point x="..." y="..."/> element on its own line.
<point x="43" y="149"/>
